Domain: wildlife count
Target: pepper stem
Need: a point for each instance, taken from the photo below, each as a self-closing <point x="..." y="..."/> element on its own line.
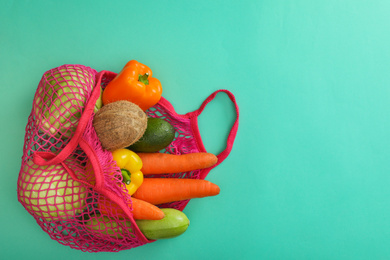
<point x="144" y="78"/>
<point x="126" y="176"/>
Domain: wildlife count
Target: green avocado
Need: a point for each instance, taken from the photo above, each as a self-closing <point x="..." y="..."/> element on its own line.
<point x="158" y="134"/>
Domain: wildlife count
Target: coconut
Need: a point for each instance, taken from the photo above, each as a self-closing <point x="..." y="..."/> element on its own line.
<point x="119" y="124"/>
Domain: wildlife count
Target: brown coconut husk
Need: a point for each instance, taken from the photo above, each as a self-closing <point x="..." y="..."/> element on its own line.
<point x="119" y="124"/>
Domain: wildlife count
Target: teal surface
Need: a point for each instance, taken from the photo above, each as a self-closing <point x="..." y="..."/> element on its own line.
<point x="309" y="173"/>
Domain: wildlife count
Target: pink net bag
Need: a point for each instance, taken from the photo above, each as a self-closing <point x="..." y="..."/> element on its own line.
<point x="65" y="172"/>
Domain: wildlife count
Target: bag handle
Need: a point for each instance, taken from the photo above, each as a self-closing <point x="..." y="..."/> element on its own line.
<point x="48" y="156"/>
<point x="233" y="131"/>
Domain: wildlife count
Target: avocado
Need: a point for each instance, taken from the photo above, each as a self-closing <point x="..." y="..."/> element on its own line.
<point x="158" y="134"/>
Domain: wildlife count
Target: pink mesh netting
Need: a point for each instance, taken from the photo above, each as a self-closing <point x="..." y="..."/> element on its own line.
<point x="65" y="172"/>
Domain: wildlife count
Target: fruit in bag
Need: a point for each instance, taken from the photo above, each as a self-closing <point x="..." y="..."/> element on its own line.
<point x="49" y="192"/>
<point x="61" y="99"/>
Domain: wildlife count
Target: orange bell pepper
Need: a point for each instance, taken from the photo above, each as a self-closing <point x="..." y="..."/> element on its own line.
<point x="135" y="84"/>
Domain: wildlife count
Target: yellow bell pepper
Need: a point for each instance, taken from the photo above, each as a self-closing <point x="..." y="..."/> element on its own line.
<point x="130" y="163"/>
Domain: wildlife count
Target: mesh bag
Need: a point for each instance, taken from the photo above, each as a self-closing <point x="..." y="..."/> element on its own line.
<point x="65" y="172"/>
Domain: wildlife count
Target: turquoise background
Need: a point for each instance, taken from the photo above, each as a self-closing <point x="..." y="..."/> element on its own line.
<point x="309" y="173"/>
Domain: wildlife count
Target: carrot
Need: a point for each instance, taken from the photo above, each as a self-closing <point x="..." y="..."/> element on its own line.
<point x="141" y="209"/>
<point x="159" y="163"/>
<point x="163" y="190"/>
<point x="145" y="210"/>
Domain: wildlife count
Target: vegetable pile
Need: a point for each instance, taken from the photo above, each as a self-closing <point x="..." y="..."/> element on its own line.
<point x="136" y="86"/>
<point x="138" y="146"/>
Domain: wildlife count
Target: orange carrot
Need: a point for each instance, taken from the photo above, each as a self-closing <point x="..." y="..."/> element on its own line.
<point x="145" y="210"/>
<point x="141" y="209"/>
<point x="162" y="190"/>
<point x="159" y="163"/>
